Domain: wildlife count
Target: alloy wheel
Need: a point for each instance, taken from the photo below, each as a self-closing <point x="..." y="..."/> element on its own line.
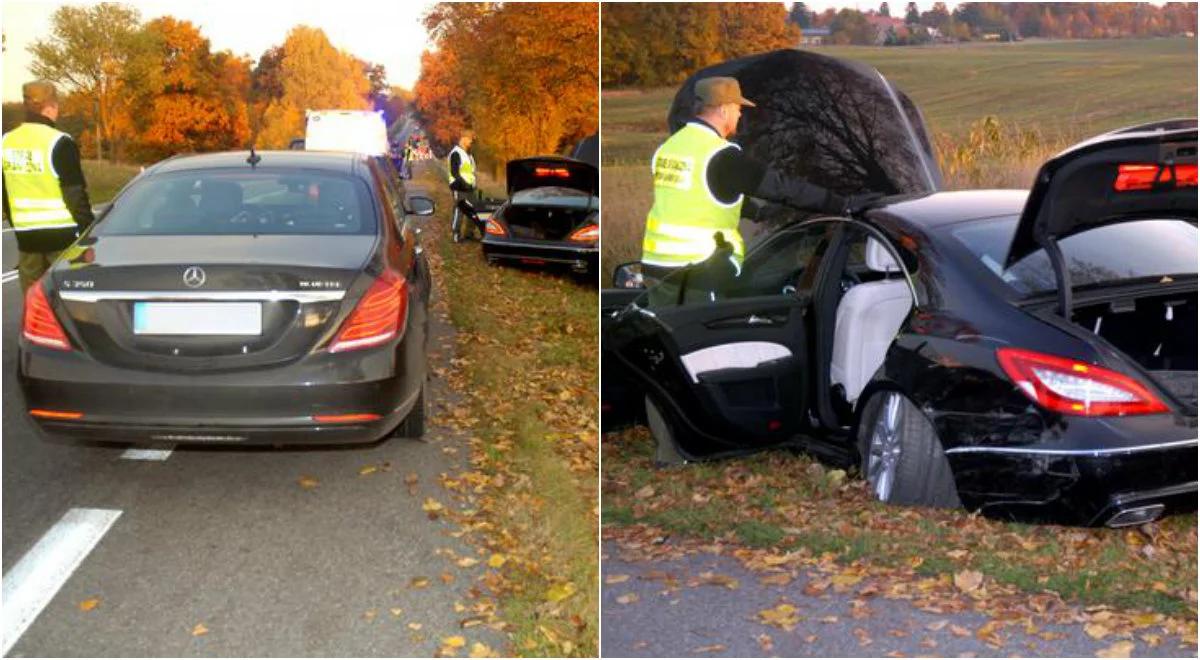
<point x="884" y="452"/>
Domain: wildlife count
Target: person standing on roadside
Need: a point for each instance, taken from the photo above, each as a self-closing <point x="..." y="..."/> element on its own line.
<point x="45" y="194"/>
<point x="700" y="181"/>
<point x="460" y="167"/>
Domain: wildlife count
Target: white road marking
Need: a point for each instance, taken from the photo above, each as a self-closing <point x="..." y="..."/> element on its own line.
<point x="32" y="583"/>
<point x="138" y="454"/>
<point x="8" y="277"/>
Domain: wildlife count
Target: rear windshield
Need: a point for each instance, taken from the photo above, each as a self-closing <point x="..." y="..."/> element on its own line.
<point x="555" y="196"/>
<point x="1130" y="250"/>
<point x="218" y="202"/>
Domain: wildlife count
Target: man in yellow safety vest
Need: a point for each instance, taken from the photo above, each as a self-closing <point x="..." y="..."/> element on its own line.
<point x="701" y="179"/>
<point x="45" y="195"/>
<point x="460" y="168"/>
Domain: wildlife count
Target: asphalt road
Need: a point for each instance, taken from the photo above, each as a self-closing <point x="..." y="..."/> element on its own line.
<point x="228" y="539"/>
<point x="8" y="247"/>
<point x="667" y="618"/>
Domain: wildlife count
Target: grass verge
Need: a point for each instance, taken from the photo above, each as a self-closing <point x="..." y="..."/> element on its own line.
<point x="789" y="502"/>
<point x="527" y="366"/>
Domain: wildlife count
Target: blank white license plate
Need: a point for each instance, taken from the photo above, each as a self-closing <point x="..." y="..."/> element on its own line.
<point x="196" y="318"/>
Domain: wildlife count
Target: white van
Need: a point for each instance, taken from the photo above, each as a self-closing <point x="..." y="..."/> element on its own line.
<point x="360" y="131"/>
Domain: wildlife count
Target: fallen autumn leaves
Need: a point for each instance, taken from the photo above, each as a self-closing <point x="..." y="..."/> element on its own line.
<point x="785" y="516"/>
<point x="525" y="374"/>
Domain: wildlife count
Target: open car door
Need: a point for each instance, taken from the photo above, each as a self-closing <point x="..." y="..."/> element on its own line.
<point x="731" y="374"/>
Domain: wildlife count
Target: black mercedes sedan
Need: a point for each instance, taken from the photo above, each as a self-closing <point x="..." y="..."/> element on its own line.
<point x="551" y="215"/>
<point x="1030" y="354"/>
<point x="274" y="297"/>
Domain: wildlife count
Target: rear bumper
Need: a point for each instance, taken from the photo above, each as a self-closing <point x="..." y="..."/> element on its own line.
<point x="581" y="258"/>
<point x="262" y="406"/>
<point x="1080" y="488"/>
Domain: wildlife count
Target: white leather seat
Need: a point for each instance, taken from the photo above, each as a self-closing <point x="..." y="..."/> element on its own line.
<point x="868" y="318"/>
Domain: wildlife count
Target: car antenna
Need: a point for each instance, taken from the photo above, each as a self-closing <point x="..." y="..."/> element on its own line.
<point x="254" y="158"/>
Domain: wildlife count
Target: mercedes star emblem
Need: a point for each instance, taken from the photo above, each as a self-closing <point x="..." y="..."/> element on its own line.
<point x="194" y="277"/>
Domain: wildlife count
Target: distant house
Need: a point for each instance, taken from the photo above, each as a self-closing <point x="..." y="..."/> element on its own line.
<point x="814" y="36"/>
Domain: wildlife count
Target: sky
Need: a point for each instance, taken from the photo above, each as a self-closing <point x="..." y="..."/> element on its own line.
<point x="388" y="32"/>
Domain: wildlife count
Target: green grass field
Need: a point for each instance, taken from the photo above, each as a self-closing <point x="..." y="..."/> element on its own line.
<point x="1063" y="88"/>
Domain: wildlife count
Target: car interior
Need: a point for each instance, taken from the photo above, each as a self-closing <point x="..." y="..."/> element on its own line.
<point x="287" y="205"/>
<point x="874" y="303"/>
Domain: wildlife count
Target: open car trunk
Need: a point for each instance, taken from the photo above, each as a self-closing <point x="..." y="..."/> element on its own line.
<point x="1158" y="332"/>
<point x="1141" y="173"/>
<point x="544" y="222"/>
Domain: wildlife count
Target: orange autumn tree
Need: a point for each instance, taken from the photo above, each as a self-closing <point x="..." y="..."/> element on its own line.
<point x="312" y="75"/>
<point x="190" y="99"/>
<point x="523" y="75"/>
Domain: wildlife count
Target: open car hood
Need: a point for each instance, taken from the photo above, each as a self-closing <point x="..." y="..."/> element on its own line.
<point x="556" y="171"/>
<point x="1136" y="173"/>
<point x="837" y="123"/>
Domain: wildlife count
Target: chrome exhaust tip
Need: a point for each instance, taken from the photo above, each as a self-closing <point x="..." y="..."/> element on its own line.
<point x="1135" y="515"/>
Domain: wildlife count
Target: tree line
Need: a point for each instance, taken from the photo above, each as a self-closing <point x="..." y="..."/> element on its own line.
<point x="650" y="44"/>
<point x="971" y="21"/>
<point x="140" y="91"/>
<point x="522" y="75"/>
<point x="654" y="44"/>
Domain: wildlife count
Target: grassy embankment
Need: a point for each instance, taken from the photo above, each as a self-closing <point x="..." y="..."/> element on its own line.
<point x="527" y="368"/>
<point x="106" y="179"/>
<point x="1045" y="96"/>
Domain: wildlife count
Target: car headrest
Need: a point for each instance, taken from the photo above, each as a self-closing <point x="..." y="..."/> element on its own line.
<point x="879" y="259"/>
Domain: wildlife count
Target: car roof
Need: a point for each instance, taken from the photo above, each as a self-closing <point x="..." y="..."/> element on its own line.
<point x="332" y="161"/>
<point x="948" y="208"/>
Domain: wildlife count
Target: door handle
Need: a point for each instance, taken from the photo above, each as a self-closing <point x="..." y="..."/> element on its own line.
<point x="751" y="321"/>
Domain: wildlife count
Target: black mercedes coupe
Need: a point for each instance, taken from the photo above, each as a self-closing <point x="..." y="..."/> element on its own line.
<point x="1030" y="354"/>
<point x="277" y="297"/>
<point x="551" y="215"/>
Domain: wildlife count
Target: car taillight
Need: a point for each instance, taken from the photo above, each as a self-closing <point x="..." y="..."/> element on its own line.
<point x="588" y="233"/>
<point x="378" y="317"/>
<point x="1076" y="388"/>
<point x="1143" y="176"/>
<point x="42" y="413"/>
<point x="494" y="228"/>
<point x="40" y="326"/>
<point x="349" y="418"/>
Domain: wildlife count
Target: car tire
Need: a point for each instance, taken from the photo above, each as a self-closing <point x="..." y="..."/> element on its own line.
<point x="902" y="458"/>
<point x="666" y="447"/>
<point x="413" y="425"/>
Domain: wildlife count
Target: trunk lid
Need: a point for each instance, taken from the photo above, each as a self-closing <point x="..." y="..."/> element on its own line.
<point x="1142" y="172"/>
<point x="837" y="123"/>
<point x="551" y="171"/>
<point x="207" y="303"/>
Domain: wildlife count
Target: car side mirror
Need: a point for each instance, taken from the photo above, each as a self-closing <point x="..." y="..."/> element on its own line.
<point x="418" y="205"/>
<point x="629" y="276"/>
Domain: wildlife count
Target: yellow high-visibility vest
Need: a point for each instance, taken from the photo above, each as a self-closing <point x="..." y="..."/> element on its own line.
<point x="35" y="198"/>
<point x="466" y="165"/>
<point x="686" y="214"/>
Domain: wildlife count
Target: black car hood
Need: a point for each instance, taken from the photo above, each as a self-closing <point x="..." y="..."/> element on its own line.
<point x="556" y="171"/>
<point x="837" y="123"/>
<point x="1078" y="190"/>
